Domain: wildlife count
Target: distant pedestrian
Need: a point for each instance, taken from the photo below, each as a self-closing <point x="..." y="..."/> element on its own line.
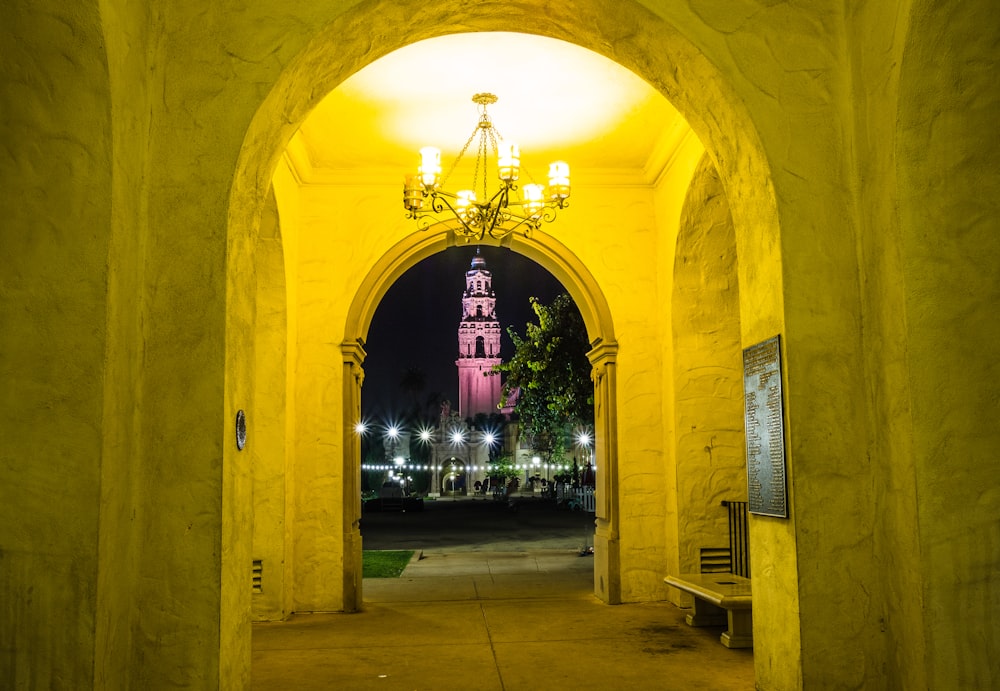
<point x="512" y="486"/>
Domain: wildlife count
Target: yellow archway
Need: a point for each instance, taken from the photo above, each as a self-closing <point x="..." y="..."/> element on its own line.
<point x="142" y="138"/>
<point x="700" y="93"/>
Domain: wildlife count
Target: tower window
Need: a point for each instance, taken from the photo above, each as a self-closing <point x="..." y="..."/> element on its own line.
<point x="480" y="346"/>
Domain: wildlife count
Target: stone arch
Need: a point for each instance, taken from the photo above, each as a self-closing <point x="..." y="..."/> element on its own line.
<point x="625" y="32"/>
<point x="708" y="459"/>
<point x="540" y="247"/>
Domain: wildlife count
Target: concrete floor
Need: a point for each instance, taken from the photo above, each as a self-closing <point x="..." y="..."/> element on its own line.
<point x="468" y="615"/>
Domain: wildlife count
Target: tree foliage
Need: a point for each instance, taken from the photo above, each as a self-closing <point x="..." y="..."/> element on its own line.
<point x="550" y="374"/>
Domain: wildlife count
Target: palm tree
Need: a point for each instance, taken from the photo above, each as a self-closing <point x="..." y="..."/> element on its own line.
<point x="413" y="381"/>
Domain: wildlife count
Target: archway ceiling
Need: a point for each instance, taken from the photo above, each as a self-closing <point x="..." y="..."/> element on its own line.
<point x="556" y="100"/>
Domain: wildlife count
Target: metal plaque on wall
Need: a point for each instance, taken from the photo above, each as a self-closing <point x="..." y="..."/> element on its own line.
<point x="765" y="429"/>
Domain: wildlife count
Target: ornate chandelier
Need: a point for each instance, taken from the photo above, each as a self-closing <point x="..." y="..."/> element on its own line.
<point x="507" y="210"/>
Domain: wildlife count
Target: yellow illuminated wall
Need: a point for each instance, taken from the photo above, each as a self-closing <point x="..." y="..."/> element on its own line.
<point x="147" y="272"/>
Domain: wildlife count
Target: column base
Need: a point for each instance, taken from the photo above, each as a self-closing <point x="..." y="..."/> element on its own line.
<point x="607" y="567"/>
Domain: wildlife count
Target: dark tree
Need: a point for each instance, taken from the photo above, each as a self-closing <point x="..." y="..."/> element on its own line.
<point x="550" y="374"/>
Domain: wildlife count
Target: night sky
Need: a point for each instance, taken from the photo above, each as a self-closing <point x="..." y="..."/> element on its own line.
<point x="416" y="324"/>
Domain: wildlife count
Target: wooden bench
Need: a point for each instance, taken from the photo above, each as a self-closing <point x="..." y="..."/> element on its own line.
<point x="719" y="598"/>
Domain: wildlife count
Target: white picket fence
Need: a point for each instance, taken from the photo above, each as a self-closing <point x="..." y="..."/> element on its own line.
<point x="577" y="498"/>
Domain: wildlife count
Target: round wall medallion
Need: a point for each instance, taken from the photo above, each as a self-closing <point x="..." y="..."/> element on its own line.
<point x="241" y="430"/>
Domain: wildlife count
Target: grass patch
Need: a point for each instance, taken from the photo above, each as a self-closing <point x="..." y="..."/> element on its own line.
<point x="384" y="563"/>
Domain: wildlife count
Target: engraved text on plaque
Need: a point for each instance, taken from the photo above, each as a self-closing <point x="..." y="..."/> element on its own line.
<point x="765" y="429"/>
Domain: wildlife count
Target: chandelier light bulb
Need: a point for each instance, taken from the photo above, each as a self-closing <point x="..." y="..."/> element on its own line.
<point x="413" y="193"/>
<point x="534" y="199"/>
<point x="430" y="167"/>
<point x="464" y="201"/>
<point x="510" y="162"/>
<point x="558" y="181"/>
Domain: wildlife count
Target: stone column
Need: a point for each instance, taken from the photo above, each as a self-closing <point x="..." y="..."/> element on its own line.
<point x="354" y="356"/>
<point x="607" y="546"/>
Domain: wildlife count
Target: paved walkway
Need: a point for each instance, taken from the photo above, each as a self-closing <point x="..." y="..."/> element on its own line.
<point x="484" y="615"/>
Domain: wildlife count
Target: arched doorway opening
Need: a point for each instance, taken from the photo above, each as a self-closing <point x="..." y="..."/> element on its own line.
<point x="596" y="313"/>
<point x="379" y="263"/>
<point x="453" y="478"/>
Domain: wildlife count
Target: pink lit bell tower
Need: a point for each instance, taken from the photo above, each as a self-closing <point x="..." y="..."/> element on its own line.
<point x="478" y="344"/>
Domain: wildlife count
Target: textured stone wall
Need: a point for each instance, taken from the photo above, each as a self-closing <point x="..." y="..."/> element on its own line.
<point x="877" y="34"/>
<point x="56" y="135"/>
<point x="948" y="187"/>
<point x="710" y="453"/>
<point x="670" y="196"/>
<point x="269" y="419"/>
<point x="124" y="509"/>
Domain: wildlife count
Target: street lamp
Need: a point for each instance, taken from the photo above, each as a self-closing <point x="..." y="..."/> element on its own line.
<point x="398" y="461"/>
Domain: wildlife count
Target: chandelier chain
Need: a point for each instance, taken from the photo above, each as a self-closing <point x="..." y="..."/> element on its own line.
<point x="454" y="165"/>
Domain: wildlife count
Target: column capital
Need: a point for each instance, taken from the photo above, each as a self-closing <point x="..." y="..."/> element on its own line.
<point x="353" y="351"/>
<point x="603" y="352"/>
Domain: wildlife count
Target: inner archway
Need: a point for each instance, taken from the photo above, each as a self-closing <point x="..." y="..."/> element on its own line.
<point x="582" y="286"/>
<point x="428" y="403"/>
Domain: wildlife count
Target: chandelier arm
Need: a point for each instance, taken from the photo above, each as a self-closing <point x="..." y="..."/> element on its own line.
<point x="506" y="229"/>
<point x="492" y="211"/>
<point x="466" y="229"/>
<point x="500" y="199"/>
<point x="548" y="215"/>
<point x="438" y="203"/>
<point x="425" y="221"/>
<point x="532" y="221"/>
